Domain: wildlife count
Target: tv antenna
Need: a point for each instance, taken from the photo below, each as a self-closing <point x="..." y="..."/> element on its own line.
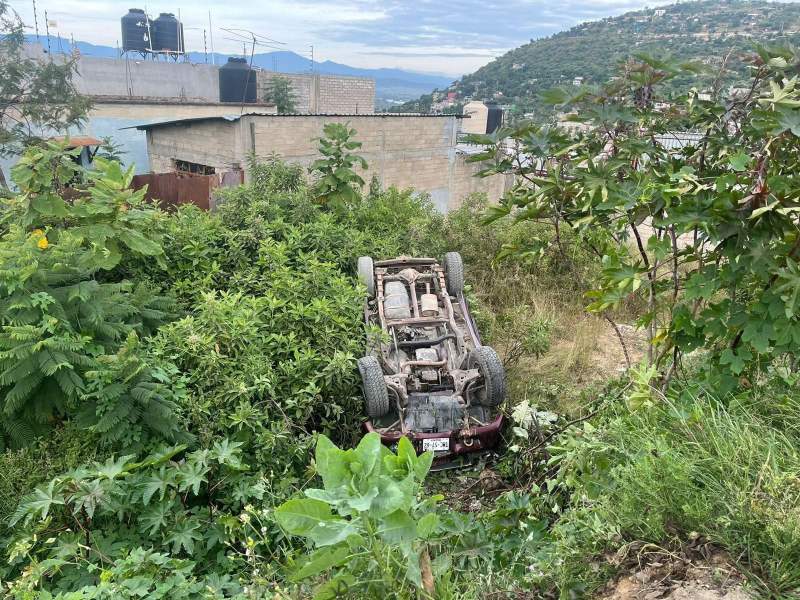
<point x="255" y="39"/>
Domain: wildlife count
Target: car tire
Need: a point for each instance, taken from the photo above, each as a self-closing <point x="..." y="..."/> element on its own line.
<point x="454" y="273"/>
<point x="376" y="394"/>
<point x="489" y="365"/>
<point x="366" y="274"/>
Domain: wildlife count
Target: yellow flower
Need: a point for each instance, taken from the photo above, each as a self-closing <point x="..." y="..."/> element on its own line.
<point x="43" y="243"/>
<point x="37" y="232"/>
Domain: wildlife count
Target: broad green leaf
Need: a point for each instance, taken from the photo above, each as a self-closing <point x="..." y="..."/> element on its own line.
<point x="227" y="453"/>
<point x="427" y="525"/>
<point x="191" y="475"/>
<point x="138" y="243"/>
<point x="183" y="535"/>
<point x="112" y="469"/>
<point x="157" y="482"/>
<point x="40" y="501"/>
<point x="423" y="465"/>
<point x="156" y="517"/>
<point x="367" y="454"/>
<point x="50" y="205"/>
<point x="321" y="560"/>
<point x="398" y="528"/>
<point x="739" y="161"/>
<point x="332" y="531"/>
<point x="299" y="516"/>
<point x="339" y="586"/>
<point x="330" y="464"/>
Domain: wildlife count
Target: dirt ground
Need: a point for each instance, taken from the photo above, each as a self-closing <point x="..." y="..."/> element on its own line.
<point x="699" y="572"/>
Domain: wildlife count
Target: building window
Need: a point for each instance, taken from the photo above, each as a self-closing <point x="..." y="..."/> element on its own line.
<point x="184" y="166"/>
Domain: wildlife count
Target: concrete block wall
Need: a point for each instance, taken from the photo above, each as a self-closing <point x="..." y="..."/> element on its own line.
<point x="402" y="151"/>
<point x="464" y="183"/>
<point x="325" y="94"/>
<point x="132" y="76"/>
<point x="346" y="95"/>
<point x="213" y="143"/>
<point x="301" y="88"/>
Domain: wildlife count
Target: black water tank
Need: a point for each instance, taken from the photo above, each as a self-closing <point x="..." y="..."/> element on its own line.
<point x="167" y="33"/>
<point x="134" y="31"/>
<point x="495" y="117"/>
<point x="237" y="81"/>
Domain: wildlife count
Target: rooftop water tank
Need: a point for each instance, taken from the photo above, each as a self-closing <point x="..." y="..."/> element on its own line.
<point x="237" y="82"/>
<point x="167" y="33"/>
<point x="134" y="31"/>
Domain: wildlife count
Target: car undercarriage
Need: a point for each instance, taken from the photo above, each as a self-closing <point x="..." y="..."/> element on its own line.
<point x="426" y="375"/>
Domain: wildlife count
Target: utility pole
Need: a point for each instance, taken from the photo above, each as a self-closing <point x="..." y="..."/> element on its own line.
<point x="312" y="58"/>
<point x="211" y="37"/>
<point x="205" y="48"/>
<point x="47" y="30"/>
<point x="35" y="21"/>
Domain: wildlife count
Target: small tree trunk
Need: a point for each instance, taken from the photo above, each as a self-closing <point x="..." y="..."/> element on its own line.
<point x="3" y="184"/>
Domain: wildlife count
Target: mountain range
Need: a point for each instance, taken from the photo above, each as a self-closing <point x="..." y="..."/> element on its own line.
<point x="390" y="84"/>
<point x="708" y="31"/>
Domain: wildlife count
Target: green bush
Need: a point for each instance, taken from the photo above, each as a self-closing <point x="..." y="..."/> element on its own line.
<point x="63" y="449"/>
<point x="62" y="312"/>
<point x="368" y="526"/>
<point x="132" y="529"/>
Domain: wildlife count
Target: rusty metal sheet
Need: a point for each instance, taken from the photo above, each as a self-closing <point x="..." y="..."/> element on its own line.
<point x="176" y="188"/>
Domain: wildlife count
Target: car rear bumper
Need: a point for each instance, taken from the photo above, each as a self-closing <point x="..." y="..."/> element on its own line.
<point x="462" y="441"/>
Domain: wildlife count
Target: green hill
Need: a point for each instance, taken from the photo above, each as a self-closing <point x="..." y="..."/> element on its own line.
<point x="706" y="31"/>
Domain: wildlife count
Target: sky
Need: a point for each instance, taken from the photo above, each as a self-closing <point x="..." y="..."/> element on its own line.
<point x="421" y="35"/>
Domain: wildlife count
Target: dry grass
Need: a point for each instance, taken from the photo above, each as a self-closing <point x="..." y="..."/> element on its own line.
<point x="584" y="352"/>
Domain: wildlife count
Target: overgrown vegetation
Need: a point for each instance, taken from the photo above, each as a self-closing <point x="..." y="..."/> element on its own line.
<point x="181" y="407"/>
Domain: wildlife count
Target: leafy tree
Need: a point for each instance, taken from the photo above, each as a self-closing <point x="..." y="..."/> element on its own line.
<point x="61" y="314"/>
<point x="36" y="96"/>
<point x="337" y="183"/>
<point x="704" y="232"/>
<point x="279" y="91"/>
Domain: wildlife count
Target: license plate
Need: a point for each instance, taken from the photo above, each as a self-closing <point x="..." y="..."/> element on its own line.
<point x="436" y="444"/>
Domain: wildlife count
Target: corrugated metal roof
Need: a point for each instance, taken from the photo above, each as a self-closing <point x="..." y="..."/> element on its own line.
<point x="233" y="118"/>
<point x="77" y="141"/>
<point x="675" y="140"/>
<point x="470" y="149"/>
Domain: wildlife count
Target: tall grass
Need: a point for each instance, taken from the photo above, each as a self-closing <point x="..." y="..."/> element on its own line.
<point x="726" y="471"/>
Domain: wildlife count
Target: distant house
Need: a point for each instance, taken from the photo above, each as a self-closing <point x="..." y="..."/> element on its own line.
<point x="659" y="12"/>
<point x="577" y="82"/>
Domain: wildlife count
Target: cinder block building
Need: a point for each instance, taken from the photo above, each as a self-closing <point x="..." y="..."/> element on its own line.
<point x="324" y="94"/>
<point x="405" y="151"/>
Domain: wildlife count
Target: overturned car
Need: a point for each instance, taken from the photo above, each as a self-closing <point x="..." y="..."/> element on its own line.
<point x="428" y="377"/>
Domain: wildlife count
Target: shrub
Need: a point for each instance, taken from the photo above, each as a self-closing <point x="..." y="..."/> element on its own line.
<point x="367" y="526"/>
<point x="703" y="232"/>
<point x="127" y="528"/>
<point x="337" y="184"/>
<point x="63" y="449"/>
<point x="60" y="312"/>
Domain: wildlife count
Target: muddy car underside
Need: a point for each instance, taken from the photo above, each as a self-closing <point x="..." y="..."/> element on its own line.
<point x="427" y="376"/>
